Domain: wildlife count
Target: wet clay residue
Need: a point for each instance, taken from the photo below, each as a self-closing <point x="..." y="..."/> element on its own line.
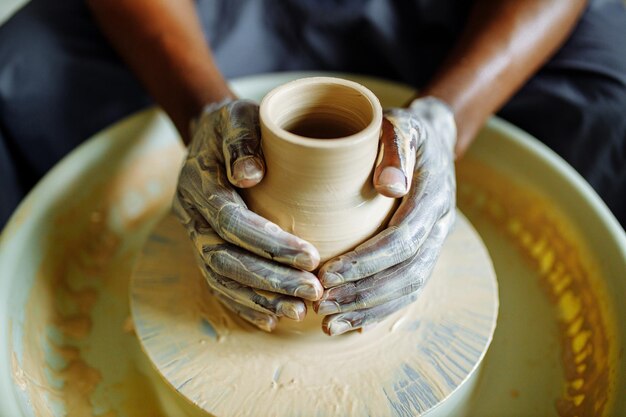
<point x="87" y="255"/>
<point x="404" y="366"/>
<point x="58" y="316"/>
<point x="569" y="279"/>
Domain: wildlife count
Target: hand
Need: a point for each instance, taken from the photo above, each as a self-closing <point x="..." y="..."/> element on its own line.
<point x="388" y="271"/>
<point x="237" y="250"/>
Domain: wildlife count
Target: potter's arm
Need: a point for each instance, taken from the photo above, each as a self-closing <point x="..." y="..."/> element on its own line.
<point x="503" y="44"/>
<point x="163" y="44"/>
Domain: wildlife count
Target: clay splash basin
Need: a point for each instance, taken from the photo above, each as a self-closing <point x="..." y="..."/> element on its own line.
<point x="67" y="254"/>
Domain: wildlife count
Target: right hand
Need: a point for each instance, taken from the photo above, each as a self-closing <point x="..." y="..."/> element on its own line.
<point x="253" y="267"/>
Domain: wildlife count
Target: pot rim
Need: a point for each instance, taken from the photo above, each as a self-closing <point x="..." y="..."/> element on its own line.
<point x="372" y="129"/>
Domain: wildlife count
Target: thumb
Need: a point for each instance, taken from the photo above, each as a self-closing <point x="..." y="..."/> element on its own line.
<point x="392" y="177"/>
<point x="241" y="143"/>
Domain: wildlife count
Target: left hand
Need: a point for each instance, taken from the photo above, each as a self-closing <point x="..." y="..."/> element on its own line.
<point x="388" y="271"/>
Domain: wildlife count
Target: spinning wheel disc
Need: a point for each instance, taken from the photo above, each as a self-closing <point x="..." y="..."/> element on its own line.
<point x="419" y="358"/>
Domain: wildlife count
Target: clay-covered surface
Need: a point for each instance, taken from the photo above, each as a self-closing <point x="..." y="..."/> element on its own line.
<point x="407" y="365"/>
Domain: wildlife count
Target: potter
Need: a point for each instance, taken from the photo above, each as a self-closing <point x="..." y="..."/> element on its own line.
<point x="320" y="137"/>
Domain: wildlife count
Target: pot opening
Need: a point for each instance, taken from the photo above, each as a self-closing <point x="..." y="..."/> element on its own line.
<point x="321" y="110"/>
<point x="321" y="127"/>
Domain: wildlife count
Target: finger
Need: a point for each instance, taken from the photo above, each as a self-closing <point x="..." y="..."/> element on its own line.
<point x="263" y="321"/>
<point x="203" y="186"/>
<point x="405" y="278"/>
<point x="408" y="229"/>
<point x="250" y="231"/>
<point x="261" y="301"/>
<point x="241" y="143"/>
<point x="393" y="175"/>
<point x="337" y="324"/>
<point x="252" y="271"/>
<point x="241" y="266"/>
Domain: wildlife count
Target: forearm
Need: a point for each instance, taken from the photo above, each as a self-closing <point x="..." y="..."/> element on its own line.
<point x="162" y="42"/>
<point x="504" y="43"/>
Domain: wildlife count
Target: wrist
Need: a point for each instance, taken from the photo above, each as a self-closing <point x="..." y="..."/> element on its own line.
<point x="206" y="109"/>
<point x="440" y="117"/>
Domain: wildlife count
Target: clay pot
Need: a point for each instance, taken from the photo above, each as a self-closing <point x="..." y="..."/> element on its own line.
<point x="320" y="138"/>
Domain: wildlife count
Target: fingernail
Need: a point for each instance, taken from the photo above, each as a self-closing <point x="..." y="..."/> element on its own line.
<point x="308" y="292"/>
<point x="339" y="327"/>
<point x="328" y="307"/>
<point x="331" y="279"/>
<point x="247" y="169"/>
<point x="306" y="261"/>
<point x="393" y="180"/>
<point x="291" y="310"/>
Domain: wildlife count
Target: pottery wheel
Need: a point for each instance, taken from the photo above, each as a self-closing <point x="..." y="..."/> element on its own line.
<point x="407" y="365"/>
